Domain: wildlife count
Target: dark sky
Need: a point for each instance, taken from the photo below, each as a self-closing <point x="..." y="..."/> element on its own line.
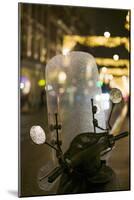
<point x="92" y="20"/>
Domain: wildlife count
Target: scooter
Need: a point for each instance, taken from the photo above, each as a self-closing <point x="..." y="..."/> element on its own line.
<point x="80" y="167"/>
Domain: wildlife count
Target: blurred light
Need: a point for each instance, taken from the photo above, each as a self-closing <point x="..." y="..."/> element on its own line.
<point x="48" y="87"/>
<point x="106" y="105"/>
<point x="25" y="84"/>
<point x="98" y="97"/>
<point x="42" y="58"/>
<point x="124" y="78"/>
<point x="99" y="83"/>
<point x="107" y="34"/>
<point x="29" y="53"/>
<point x="65" y="51"/>
<point x="110" y="62"/>
<point x="103" y="100"/>
<point x="105" y="96"/>
<point x="127" y="17"/>
<point x="117" y="71"/>
<point x="62" y="77"/>
<point x="116" y="57"/>
<point x="61" y="90"/>
<point x="101" y="76"/>
<point x="23" y="79"/>
<point x="89" y="70"/>
<point x="70" y="41"/>
<point x="102" y="97"/>
<point x="41" y="82"/>
<point x="110" y="77"/>
<point x="22" y="85"/>
<point x="125" y="85"/>
<point x="27" y="87"/>
<point x="43" y="51"/>
<point x="112" y="83"/>
<point x="106" y="78"/>
<point x="127" y="24"/>
<point x="104" y="69"/>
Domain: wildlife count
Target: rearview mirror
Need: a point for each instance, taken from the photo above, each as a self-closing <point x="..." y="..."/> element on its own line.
<point x="115" y="95"/>
<point x="37" y="135"/>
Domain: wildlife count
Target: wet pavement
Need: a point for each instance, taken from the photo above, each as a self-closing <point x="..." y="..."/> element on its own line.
<point x="33" y="157"/>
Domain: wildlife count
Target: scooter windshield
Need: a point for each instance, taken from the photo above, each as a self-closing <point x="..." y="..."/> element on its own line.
<point x="71" y="83"/>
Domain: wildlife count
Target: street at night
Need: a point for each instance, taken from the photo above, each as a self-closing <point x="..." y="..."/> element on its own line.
<point x="74" y="90"/>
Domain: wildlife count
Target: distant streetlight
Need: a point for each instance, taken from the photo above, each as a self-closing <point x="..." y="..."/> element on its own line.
<point x="41" y="82"/>
<point x="116" y="57"/>
<point x="22" y="85"/>
<point x="62" y="77"/>
<point x="104" y="69"/>
<point x="65" y="51"/>
<point x="107" y="34"/>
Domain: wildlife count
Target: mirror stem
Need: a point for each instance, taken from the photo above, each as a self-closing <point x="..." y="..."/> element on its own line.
<point x="51" y="146"/>
<point x="57" y="127"/>
<point x="110" y="115"/>
<point x="92" y="104"/>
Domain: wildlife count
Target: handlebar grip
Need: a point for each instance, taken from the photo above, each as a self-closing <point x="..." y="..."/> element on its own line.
<point x="121" y="135"/>
<point x="54" y="174"/>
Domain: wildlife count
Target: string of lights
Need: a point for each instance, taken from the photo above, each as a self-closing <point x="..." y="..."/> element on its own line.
<point x="112" y="62"/>
<point x="70" y="41"/>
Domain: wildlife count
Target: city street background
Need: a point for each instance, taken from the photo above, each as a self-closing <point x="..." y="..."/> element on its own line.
<point x="46" y="31"/>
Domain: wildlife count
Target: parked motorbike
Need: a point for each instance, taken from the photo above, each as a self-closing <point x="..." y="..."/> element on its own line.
<point x="79" y="135"/>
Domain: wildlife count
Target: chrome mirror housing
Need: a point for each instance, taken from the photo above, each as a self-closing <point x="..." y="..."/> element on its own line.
<point x="115" y="96"/>
<point x="37" y="135"/>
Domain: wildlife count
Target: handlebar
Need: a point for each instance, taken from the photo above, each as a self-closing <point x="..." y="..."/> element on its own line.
<point x="54" y="174"/>
<point x="76" y="158"/>
<point x="121" y="135"/>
